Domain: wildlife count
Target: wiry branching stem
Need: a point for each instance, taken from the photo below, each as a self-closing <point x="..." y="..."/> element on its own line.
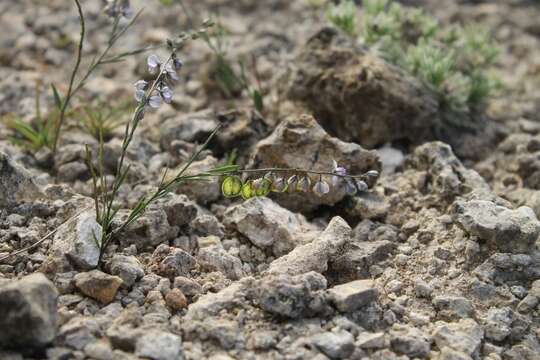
<point x="70" y="92"/>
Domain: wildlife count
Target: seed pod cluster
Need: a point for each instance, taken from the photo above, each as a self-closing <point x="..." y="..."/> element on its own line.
<point x="233" y="185"/>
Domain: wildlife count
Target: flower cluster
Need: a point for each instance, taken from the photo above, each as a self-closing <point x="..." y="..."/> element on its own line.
<point x="159" y="90"/>
<point x="301" y="181"/>
<point x="118" y="8"/>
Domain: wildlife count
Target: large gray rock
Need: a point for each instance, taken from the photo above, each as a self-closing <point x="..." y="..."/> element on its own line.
<point x="268" y="225"/>
<point x="128" y="268"/>
<point x="16" y="183"/>
<point x="338" y="81"/>
<point x="351" y="296"/>
<point x="172" y="262"/>
<point x="204" y="191"/>
<point x="357" y="259"/>
<point x="448" y="176"/>
<point x="28" y="313"/>
<point x="498" y="323"/>
<point x="300" y="142"/>
<point x="512" y="269"/>
<point x="148" y="231"/>
<point x="211" y="304"/>
<point x="159" y="345"/>
<point x="315" y="255"/>
<point x="241" y="129"/>
<point x="76" y="243"/>
<point x="514" y="231"/>
<point x="335" y="345"/>
<point x="291" y="296"/>
<point x="216" y="258"/>
<point x="465" y="336"/>
<point x="453" y="307"/>
<point x="409" y="341"/>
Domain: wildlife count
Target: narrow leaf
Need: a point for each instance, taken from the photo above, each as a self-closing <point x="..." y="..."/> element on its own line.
<point x="57" y="98"/>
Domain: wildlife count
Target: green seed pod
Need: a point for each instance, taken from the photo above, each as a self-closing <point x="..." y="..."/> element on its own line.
<point x="279" y="185"/>
<point x="292" y="182"/>
<point x="263" y="187"/>
<point x="321" y="188"/>
<point x="231" y="186"/>
<point x="304" y="184"/>
<point x="247" y="190"/>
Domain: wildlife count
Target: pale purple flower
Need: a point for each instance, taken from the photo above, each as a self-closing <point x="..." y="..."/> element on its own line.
<point x="139" y="95"/>
<point x="362" y="186"/>
<point x="155" y="101"/>
<point x="171" y="72"/>
<point x="321" y="188"/>
<point x="166" y="94"/>
<point x="177" y="63"/>
<point x="117" y="8"/>
<point x="350" y="187"/>
<point x="140" y="88"/>
<point x="125" y="9"/>
<point x="339" y="170"/>
<point x="154" y="63"/>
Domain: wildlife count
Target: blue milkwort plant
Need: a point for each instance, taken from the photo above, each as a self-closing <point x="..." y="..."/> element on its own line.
<point x="153" y="93"/>
<point x="117" y="10"/>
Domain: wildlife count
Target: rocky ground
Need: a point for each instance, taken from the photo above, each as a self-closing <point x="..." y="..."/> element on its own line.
<point x="439" y="260"/>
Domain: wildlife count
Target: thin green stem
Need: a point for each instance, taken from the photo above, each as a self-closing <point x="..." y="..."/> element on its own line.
<point x="73" y="74"/>
<point x="73" y="89"/>
<point x="298" y="170"/>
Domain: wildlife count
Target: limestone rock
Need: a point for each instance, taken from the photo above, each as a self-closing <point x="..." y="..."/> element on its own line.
<point x="351" y="296"/>
<point x="315" y="255"/>
<point x="465" y="336"/>
<point x="215" y="258"/>
<point x="148" y="231"/>
<point x="159" y="345"/>
<point x="291" y="296"/>
<point x="453" y="307"/>
<point x="16" y="183"/>
<point x="338" y="80"/>
<point x="28" y="313"/>
<point x="128" y="268"/>
<point x="514" y="231"/>
<point x="76" y="243"/>
<point x="409" y="341"/>
<point x="338" y="345"/>
<point x="268" y="225"/>
<point x="201" y="191"/>
<point x="299" y="142"/>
